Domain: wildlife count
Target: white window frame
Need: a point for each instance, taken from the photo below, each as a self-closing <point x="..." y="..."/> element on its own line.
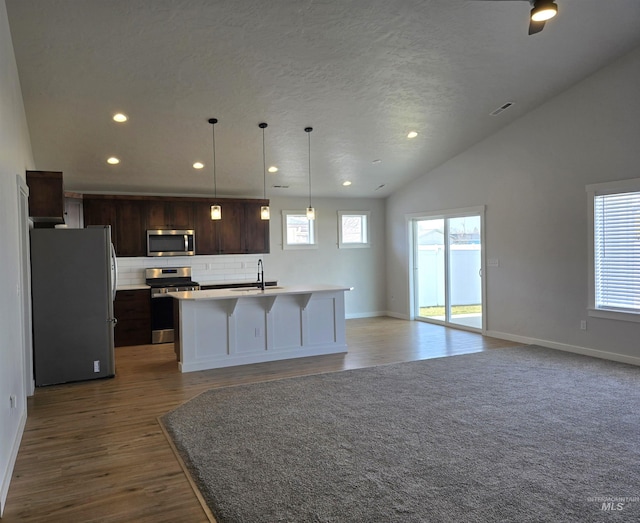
<point x="594" y="190"/>
<point x="313" y="227"/>
<point x="355" y="245"/>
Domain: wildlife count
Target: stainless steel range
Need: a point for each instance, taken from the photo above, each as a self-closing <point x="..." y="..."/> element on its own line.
<point x="164" y="281"/>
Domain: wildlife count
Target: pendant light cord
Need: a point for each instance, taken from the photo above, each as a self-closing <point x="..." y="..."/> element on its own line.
<point x="308" y="131"/>
<point x="213" y="122"/>
<point x="264" y="168"/>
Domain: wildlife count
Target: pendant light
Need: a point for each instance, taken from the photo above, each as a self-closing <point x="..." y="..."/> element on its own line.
<point x="264" y="210"/>
<point x="216" y="210"/>
<point x="311" y="212"/>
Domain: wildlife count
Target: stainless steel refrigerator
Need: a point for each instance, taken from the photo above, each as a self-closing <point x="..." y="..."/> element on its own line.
<point x="73" y="281"/>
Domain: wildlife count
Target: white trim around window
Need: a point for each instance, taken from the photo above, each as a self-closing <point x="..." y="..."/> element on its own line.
<point x="298" y="232"/>
<point x="353" y="229"/>
<point x="614" y="250"/>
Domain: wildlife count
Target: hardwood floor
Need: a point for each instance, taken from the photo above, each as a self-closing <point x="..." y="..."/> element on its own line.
<point x="94" y="452"/>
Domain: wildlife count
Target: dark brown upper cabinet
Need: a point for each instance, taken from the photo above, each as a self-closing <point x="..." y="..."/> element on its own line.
<point x="206" y="229"/>
<point x="241" y="231"/>
<point x="130" y="228"/>
<point x="170" y="214"/>
<point x="46" y="197"/>
<point x="256" y="230"/>
<point x="98" y="211"/>
<point x="230" y="227"/>
<point x="127" y="220"/>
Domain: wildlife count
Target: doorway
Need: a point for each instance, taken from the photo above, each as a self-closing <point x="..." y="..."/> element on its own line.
<point x="448" y="268"/>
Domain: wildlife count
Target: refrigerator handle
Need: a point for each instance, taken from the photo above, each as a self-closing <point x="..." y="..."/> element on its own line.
<point x="114" y="280"/>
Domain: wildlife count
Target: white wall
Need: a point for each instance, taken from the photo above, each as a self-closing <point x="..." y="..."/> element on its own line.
<point x="15" y="158"/>
<point x="532" y="176"/>
<point x="363" y="269"/>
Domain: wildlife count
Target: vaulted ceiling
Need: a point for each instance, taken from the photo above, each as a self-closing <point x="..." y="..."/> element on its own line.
<point x="362" y="73"/>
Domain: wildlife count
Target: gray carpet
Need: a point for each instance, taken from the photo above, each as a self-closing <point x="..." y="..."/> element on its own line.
<point x="513" y="435"/>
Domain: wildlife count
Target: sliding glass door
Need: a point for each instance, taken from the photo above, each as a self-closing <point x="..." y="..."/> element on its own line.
<point x="448" y="269"/>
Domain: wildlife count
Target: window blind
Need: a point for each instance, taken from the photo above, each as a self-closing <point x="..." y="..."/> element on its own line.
<point x="617" y="251"/>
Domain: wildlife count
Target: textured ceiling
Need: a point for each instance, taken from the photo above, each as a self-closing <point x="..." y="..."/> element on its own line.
<point x="362" y="72"/>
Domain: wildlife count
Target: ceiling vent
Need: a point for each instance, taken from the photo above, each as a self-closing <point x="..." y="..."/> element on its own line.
<point x="501" y="108"/>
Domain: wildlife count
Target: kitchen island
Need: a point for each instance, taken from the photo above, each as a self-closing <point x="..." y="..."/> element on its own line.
<point x="228" y="327"/>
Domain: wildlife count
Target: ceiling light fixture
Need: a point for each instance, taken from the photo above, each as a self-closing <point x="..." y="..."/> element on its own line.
<point x="113" y="160"/>
<point x="120" y="118"/>
<point x="273" y="169"/>
<point x="198" y="165"/>
<point x="264" y="210"/>
<point x="311" y="212"/>
<point x="543" y="10"/>
<point x="216" y="210"/>
<point x="412" y="134"/>
<point x="346" y="183"/>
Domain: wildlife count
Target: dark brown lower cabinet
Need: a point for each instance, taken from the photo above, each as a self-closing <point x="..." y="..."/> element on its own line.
<point x="132" y="309"/>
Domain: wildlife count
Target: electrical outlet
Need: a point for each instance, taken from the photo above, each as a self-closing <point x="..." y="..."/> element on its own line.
<point x="583" y="325"/>
<point x="96" y="366"/>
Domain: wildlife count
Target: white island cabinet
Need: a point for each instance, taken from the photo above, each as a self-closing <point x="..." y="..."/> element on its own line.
<point x="223" y="328"/>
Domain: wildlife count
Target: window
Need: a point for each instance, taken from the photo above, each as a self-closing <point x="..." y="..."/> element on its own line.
<point x="614" y="272"/>
<point x="298" y="232"/>
<point x="353" y="229"/>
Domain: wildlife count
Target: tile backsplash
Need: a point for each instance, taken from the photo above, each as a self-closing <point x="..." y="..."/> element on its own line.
<point x="204" y="269"/>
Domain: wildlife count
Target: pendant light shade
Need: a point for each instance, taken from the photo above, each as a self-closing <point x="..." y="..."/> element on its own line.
<point x="216" y="210"/>
<point x="265" y="214"/>
<point x="311" y="212"/>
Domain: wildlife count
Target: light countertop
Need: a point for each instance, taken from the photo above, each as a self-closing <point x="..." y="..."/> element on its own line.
<point x="132" y="287"/>
<point x="230" y="282"/>
<point x="226" y="294"/>
<point x="142" y="286"/>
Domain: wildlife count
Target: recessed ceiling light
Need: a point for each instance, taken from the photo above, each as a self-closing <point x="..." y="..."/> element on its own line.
<point x="273" y="169"/>
<point x="544" y="11"/>
<point x="119" y="117"/>
<point x="377" y="161"/>
<point x="412" y="134"/>
<point x="198" y="165"/>
<point x="113" y="160"/>
<point x="346" y="183"/>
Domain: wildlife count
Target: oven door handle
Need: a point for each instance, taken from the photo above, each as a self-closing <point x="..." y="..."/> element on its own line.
<point x="186" y="243"/>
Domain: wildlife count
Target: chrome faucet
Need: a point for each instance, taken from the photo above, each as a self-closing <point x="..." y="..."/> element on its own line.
<point x="260" y="281"/>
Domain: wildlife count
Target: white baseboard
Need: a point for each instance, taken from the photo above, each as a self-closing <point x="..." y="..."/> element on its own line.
<point x="612" y="356"/>
<point x="392" y="314"/>
<point x="365" y="315"/>
<point x="6" y="479"/>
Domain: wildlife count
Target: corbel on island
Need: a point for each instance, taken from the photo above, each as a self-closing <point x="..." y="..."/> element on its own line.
<point x="228" y="327"/>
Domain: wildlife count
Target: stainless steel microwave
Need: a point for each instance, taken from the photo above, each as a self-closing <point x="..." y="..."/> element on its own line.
<point x="171" y="242"/>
